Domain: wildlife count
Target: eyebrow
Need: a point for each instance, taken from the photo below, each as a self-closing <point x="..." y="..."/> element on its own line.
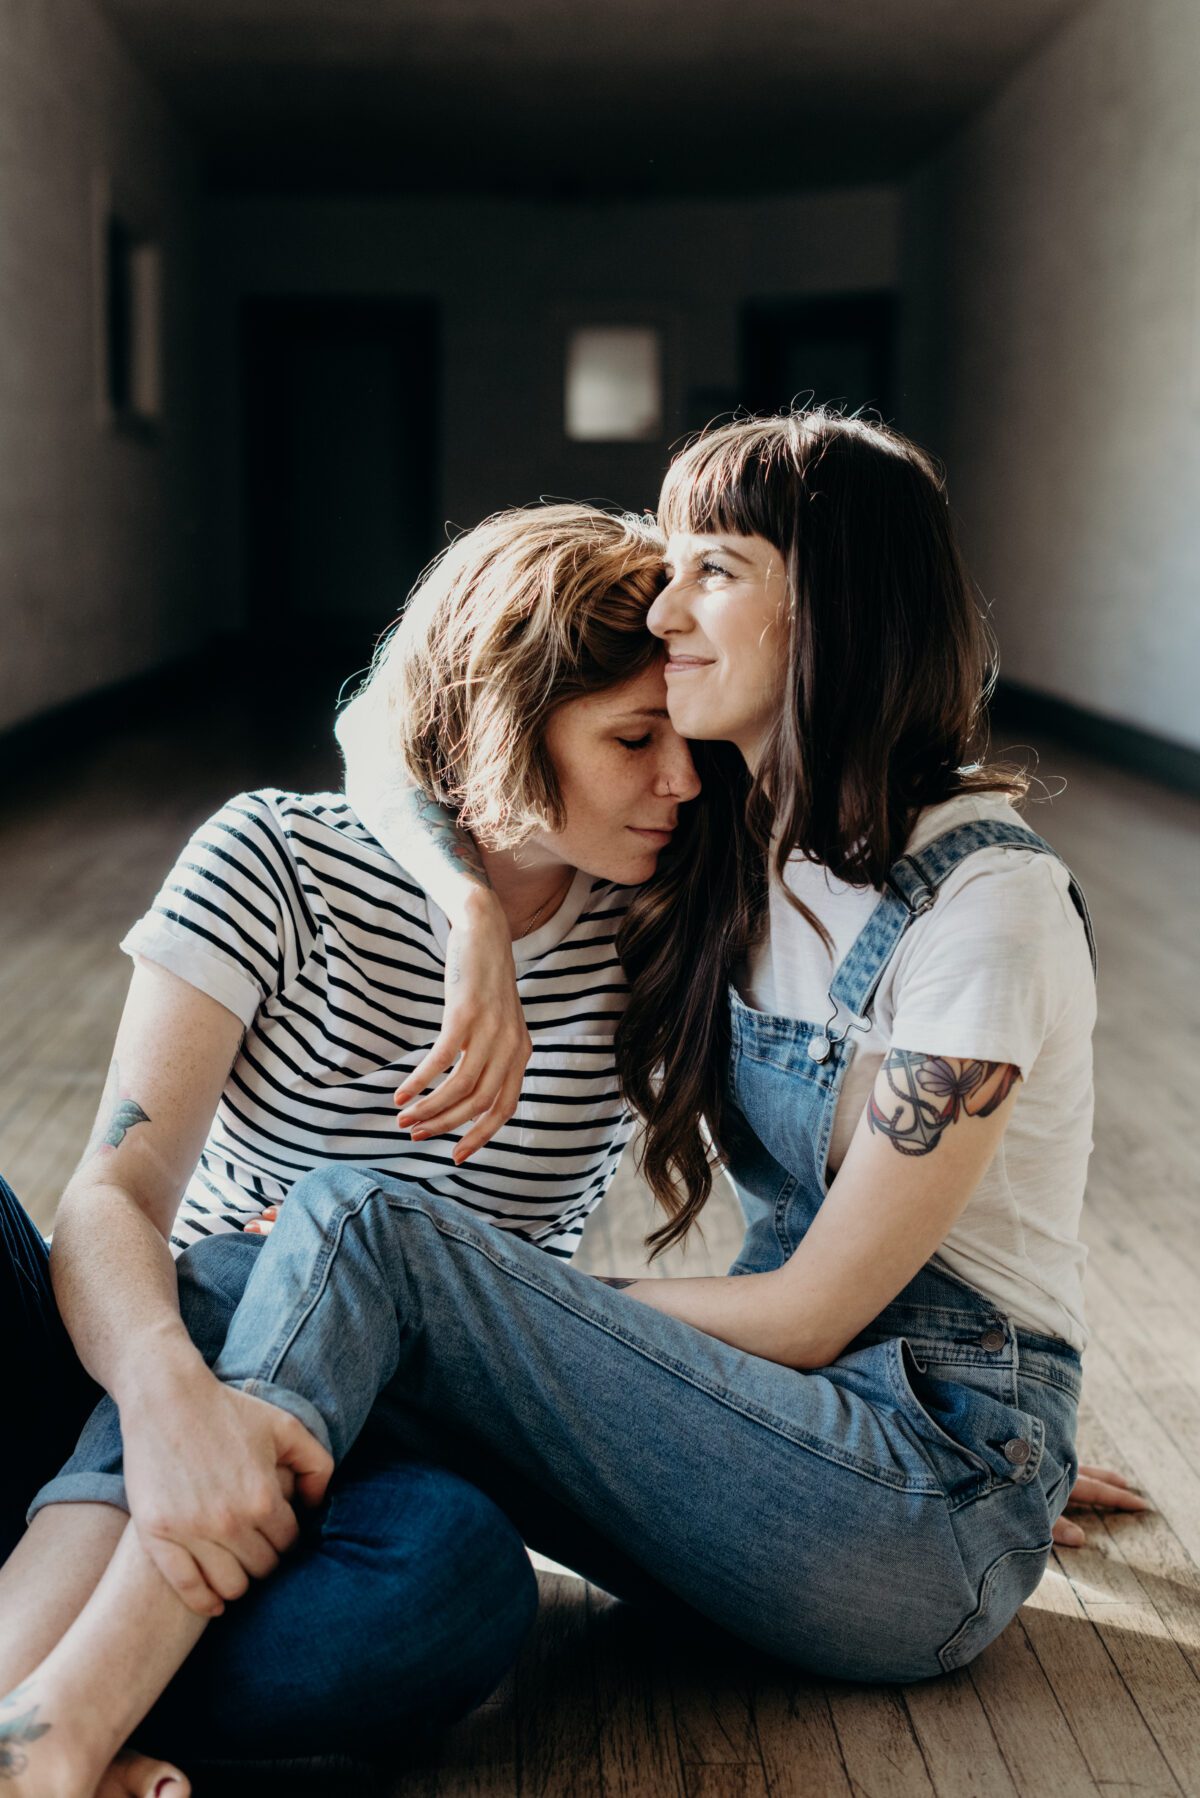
<point x="643" y="711"/>
<point x="719" y="547"/>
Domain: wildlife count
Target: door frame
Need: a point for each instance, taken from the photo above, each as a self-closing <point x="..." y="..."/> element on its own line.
<point x="767" y="325"/>
<point x="265" y="323"/>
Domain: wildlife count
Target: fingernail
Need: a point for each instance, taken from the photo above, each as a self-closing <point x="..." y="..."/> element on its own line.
<point x="253" y="1229"/>
<point x="418" y="1135"/>
<point x="404" y="1121"/>
<point x="167" y="1784"/>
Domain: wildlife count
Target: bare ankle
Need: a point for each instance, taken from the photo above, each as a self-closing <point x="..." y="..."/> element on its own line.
<point x="36" y="1756"/>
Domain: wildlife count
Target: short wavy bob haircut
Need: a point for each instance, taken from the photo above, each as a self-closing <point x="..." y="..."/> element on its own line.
<point x="536" y="606"/>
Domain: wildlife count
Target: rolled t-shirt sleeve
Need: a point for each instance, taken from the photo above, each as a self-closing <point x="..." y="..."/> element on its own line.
<point x="988" y="970"/>
<point x="230" y="916"/>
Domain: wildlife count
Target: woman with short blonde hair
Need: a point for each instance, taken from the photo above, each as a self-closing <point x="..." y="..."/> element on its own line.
<point x="288" y="978"/>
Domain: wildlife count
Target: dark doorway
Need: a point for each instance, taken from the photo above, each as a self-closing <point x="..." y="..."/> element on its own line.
<point x="836" y="350"/>
<point x="341" y="408"/>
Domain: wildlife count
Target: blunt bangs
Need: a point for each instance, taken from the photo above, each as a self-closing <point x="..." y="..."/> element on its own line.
<point x="723" y="482"/>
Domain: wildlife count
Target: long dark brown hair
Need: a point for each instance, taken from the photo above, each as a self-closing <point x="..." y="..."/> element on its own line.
<point x="890" y="665"/>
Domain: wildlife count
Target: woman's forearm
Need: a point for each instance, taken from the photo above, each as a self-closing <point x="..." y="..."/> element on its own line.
<point x="420" y="834"/>
<point x="114" y="1281"/>
<point x="748" y="1311"/>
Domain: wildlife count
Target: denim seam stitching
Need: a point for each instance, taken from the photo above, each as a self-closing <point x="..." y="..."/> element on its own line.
<point x="821" y="1450"/>
<point x="319" y="1281"/>
<point x="947" y="1653"/>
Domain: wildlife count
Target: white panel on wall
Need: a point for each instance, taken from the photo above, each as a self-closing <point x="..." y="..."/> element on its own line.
<point x="613" y="389"/>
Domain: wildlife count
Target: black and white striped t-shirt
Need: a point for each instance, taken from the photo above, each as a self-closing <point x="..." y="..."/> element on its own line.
<point x="287" y="911"/>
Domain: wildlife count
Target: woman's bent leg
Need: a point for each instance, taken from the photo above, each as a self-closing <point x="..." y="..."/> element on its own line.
<point x="47" y="1393"/>
<point x="400" y="1614"/>
<point x="401" y="1607"/>
<point x="785" y="1506"/>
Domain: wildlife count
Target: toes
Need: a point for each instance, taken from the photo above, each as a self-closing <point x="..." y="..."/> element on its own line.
<point x="140" y="1776"/>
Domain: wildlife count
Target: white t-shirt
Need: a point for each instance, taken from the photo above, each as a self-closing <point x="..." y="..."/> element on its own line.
<point x="285" y="909"/>
<point x="997" y="969"/>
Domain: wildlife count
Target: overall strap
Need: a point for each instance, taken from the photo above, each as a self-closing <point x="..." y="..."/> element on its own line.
<point x="910" y="889"/>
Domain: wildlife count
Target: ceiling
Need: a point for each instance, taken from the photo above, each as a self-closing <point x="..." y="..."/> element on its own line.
<point x="575" y="98"/>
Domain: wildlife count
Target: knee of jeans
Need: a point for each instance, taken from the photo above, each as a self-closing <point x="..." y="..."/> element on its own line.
<point x="328" y="1189"/>
<point x="212" y="1276"/>
<point x="469" y="1593"/>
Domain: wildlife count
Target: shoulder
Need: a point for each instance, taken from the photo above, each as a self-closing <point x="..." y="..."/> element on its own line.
<point x="1002" y="942"/>
<point x="288" y="840"/>
<point x="1012" y="889"/>
<point x="300" y="823"/>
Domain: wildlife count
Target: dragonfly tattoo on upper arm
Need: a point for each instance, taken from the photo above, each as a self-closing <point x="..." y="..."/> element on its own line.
<point x="932" y="1092"/>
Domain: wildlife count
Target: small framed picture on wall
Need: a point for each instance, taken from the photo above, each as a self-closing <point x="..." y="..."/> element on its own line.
<point x="127" y="306"/>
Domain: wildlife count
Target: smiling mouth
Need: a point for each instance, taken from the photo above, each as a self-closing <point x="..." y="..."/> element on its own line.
<point x="685" y="664"/>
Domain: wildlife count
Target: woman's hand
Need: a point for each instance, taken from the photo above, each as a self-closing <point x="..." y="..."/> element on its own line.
<point x="483" y="1030"/>
<point x="209" y="1473"/>
<point x="1098" y="1487"/>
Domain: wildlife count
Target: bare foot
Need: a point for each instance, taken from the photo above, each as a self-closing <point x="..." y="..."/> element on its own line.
<point x="38" y="1761"/>
<point x="134" y="1775"/>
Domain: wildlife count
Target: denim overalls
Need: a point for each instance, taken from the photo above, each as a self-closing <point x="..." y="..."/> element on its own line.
<point x="998" y="1402"/>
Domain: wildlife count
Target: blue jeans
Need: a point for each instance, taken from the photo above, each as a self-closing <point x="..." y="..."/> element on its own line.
<point x="831" y="1517"/>
<point x="401" y="1607"/>
<point x="44" y="1409"/>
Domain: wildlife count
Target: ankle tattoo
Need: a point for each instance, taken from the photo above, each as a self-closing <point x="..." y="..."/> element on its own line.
<point x="14" y="1730"/>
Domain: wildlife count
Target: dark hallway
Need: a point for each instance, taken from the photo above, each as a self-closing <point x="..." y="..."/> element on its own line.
<point x="296" y="290"/>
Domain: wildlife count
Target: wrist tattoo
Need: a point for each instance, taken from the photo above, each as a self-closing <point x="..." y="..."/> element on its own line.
<point x="931" y="1092"/>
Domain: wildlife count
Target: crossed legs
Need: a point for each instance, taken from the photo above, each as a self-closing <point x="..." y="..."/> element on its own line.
<point x="401" y="1607"/>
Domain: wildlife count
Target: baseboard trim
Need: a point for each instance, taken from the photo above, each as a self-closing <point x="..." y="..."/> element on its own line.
<point x="1127" y="746"/>
<point x="265" y="675"/>
<point x="65" y="729"/>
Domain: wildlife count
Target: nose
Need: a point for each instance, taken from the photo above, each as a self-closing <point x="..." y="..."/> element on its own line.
<point x="676" y="776"/>
<point x="663" y="615"/>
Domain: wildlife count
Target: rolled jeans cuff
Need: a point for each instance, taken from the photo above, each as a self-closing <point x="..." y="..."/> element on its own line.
<point x="300" y="1408"/>
<point x="80" y="1489"/>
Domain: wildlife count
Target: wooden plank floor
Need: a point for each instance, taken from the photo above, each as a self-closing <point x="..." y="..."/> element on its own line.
<point x="1096" y="1685"/>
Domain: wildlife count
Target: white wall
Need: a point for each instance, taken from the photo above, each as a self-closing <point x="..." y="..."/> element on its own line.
<point x="1054" y="359"/>
<point x="508" y="275"/>
<point x="97" y="530"/>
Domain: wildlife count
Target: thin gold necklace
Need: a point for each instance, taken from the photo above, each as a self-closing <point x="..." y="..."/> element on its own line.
<point x="555" y="899"/>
